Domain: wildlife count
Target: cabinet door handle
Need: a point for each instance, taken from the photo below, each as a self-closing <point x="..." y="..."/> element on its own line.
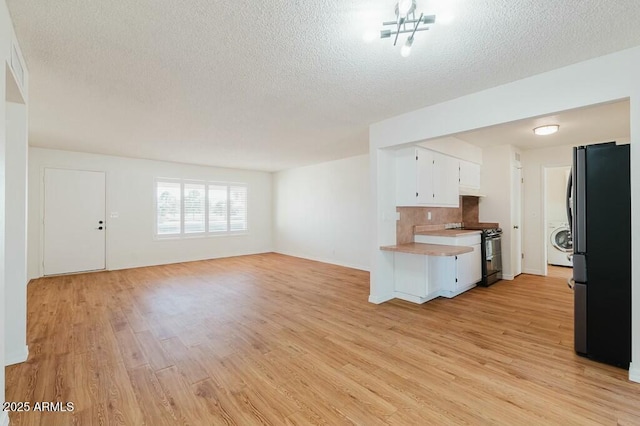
<point x="516" y="227"/>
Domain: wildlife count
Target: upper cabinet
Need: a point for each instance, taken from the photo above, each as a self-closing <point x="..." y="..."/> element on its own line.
<point x="469" y="178"/>
<point x="426" y="178"/>
<point x="445" y="185"/>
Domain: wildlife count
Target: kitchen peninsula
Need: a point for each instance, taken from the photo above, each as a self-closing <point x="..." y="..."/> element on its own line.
<point x="443" y="262"/>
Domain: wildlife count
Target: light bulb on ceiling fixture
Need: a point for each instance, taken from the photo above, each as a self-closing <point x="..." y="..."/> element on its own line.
<point x="406" y="48"/>
<point x="546" y="130"/>
<point x="405" y="7"/>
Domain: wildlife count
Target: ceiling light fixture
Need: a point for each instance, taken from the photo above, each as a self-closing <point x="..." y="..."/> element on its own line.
<point x="405" y="50"/>
<point x="546" y="130"/>
<point x="406" y="23"/>
<point x="404" y="7"/>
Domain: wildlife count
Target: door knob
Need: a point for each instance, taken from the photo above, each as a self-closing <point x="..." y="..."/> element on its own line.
<point x="516" y="227"/>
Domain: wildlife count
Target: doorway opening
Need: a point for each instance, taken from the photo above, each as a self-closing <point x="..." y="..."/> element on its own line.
<point x="558" y="238"/>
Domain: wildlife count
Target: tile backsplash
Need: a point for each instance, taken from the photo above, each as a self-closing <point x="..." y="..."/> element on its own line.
<point x="440" y="216"/>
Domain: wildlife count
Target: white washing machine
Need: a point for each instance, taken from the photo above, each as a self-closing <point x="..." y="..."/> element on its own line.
<point x="560" y="245"/>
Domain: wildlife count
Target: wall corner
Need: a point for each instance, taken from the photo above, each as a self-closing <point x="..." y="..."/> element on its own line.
<point x="17" y="357"/>
<point x="634" y="372"/>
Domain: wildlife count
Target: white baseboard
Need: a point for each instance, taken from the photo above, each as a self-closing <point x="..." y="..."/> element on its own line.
<point x="329" y="261"/>
<point x="507" y="277"/>
<point x="17" y="357"/>
<point x="4" y="418"/>
<point x="380" y="299"/>
<point x="452" y="294"/>
<point x="532" y="271"/>
<point x="634" y="373"/>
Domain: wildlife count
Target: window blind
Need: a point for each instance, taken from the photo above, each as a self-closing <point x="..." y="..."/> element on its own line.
<point x="168" y="211"/>
<point x="194" y="208"/>
<point x="200" y="208"/>
<point x="218" y="208"/>
<point x="238" y="208"/>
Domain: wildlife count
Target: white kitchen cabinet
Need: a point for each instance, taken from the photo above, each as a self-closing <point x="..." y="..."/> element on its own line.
<point x="469" y="177"/>
<point x="445" y="181"/>
<point x="426" y="179"/>
<point x="454" y="274"/>
<point x="469" y="269"/>
<point x="411" y="276"/>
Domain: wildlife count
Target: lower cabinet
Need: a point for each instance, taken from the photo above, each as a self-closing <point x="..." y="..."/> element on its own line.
<point x="420" y="278"/>
<point x="469" y="268"/>
<point x="412" y="278"/>
<point x="456" y="274"/>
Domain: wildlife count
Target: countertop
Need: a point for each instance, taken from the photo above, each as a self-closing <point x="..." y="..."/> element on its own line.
<point x="448" y="232"/>
<point x="429" y="249"/>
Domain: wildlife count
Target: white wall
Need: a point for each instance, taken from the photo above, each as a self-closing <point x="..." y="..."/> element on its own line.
<point x="604" y="79"/>
<point x="555" y="199"/>
<point x="12" y="226"/>
<point x="456" y="148"/>
<point x="10" y="151"/>
<point x="321" y="212"/>
<point x="4" y="418"/>
<point x="496" y="205"/>
<point x="130" y="193"/>
<point x="16" y="235"/>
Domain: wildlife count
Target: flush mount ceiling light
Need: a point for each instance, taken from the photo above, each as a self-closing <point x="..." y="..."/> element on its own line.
<point x="406" y="23"/>
<point x="546" y="130"/>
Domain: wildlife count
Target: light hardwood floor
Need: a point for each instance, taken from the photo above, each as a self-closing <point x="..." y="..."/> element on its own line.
<point x="563" y="272"/>
<point x="271" y="339"/>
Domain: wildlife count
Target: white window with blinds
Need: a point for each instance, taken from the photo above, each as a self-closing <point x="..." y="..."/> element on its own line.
<point x="191" y="208"/>
<point x="237" y="208"/>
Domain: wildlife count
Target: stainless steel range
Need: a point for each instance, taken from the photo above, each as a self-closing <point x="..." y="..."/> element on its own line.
<point x="491" y="256"/>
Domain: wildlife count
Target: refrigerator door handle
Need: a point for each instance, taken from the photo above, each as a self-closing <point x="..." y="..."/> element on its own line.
<point x="569" y="215"/>
<point x="579" y="218"/>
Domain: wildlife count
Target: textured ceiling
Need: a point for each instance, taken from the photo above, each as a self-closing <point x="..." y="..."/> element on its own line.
<point x="271" y="85"/>
<point x="600" y="123"/>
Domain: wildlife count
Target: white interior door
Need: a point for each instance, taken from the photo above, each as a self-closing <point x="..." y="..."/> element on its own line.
<point x="74" y="221"/>
<point x="516" y="220"/>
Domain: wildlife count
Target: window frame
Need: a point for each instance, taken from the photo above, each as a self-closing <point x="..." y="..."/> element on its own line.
<point x="207" y="232"/>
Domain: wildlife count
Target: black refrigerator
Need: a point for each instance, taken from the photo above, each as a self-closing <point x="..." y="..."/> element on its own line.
<point x="599" y="209"/>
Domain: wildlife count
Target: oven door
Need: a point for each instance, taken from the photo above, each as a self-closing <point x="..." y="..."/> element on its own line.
<point x="493" y="259"/>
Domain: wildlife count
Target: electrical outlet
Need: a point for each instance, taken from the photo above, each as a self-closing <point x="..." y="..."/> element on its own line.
<point x="428" y="215"/>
